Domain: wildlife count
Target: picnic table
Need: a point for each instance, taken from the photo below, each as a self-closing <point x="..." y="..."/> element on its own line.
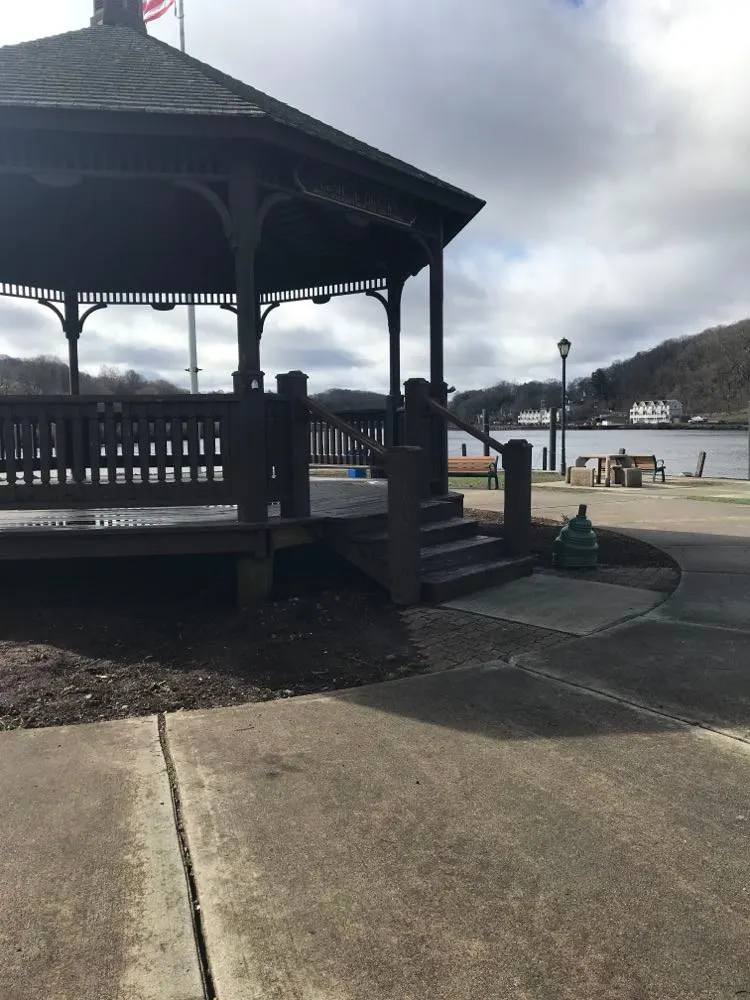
<point x="604" y="464"/>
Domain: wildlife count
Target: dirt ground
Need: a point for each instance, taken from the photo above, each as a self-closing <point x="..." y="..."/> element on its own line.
<point x="86" y="642"/>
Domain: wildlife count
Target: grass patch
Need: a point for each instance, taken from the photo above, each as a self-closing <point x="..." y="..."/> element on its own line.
<point x="461" y="483"/>
<point x="743" y="501"/>
<point x="331" y="472"/>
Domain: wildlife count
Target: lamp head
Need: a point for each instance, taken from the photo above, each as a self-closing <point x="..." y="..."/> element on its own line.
<point x="564" y="348"/>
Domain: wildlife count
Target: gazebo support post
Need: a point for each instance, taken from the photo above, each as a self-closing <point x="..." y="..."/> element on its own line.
<point x="250" y="440"/>
<point x="391" y="302"/>
<point x="72" y="324"/>
<point x="72" y="328"/>
<point x="249" y="473"/>
<point x="438" y="386"/>
<point x="393" y="430"/>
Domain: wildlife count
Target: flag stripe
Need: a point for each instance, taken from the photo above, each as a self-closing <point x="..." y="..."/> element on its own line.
<point x="153" y="9"/>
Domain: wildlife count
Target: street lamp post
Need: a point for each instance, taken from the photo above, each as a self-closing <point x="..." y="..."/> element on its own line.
<point x="564" y="349"/>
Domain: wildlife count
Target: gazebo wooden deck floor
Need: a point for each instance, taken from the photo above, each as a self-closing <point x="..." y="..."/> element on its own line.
<point x="190" y="529"/>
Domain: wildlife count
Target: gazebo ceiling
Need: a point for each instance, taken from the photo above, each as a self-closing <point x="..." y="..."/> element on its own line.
<point x="99" y="127"/>
<point x="120" y="235"/>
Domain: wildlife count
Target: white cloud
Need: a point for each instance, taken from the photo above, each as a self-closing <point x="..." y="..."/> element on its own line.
<point x="610" y="140"/>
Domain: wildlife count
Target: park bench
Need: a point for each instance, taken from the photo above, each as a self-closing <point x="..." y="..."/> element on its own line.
<point x="648" y="463"/>
<point x="477" y="465"/>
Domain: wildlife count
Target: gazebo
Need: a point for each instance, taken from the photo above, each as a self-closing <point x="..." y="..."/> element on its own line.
<point x="131" y="173"/>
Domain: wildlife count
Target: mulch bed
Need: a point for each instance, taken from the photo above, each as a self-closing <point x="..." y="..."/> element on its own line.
<point x="100" y="640"/>
<point x="109" y="640"/>
<point x="614" y="549"/>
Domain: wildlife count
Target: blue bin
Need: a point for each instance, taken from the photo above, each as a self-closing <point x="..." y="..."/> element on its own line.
<point x="356" y="473"/>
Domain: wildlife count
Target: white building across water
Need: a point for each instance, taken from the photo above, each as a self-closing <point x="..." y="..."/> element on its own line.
<point x="656" y="411"/>
<point x="534" y="418"/>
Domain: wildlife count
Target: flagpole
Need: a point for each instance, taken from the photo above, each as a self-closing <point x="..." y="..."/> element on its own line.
<point x="181" y="17"/>
<point x="192" y="327"/>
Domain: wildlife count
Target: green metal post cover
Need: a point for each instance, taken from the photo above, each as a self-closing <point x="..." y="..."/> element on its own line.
<point x="576" y="546"/>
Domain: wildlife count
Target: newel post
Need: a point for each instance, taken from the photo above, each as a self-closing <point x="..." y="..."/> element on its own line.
<point x="418" y="428"/>
<point x="404" y="521"/>
<point x="517" y="517"/>
<point x="295" y="498"/>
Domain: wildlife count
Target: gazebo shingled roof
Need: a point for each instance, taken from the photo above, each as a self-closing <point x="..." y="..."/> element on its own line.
<point x="129" y="112"/>
<point x="119" y="69"/>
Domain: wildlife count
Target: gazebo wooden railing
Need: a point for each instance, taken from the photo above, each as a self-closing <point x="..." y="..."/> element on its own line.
<point x="134" y="451"/>
<point x="426" y="426"/>
<point x="333" y="446"/>
<point x="154" y="450"/>
<point x="402" y="466"/>
<point x="63" y="451"/>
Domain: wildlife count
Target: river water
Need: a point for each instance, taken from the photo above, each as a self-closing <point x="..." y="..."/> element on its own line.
<point x="726" y="451"/>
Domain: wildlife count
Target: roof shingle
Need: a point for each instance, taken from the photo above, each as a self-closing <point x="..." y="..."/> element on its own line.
<point x="114" y="68"/>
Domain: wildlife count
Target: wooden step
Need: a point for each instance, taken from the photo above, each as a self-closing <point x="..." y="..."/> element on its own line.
<point x="461" y="552"/>
<point x="442" y="508"/>
<point x="431" y="533"/>
<point x="444" y="585"/>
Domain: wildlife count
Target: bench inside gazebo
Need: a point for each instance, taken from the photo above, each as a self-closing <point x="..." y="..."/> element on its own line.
<point x="132" y="174"/>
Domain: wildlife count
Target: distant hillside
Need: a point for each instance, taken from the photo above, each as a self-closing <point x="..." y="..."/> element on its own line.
<point x="339" y="400"/>
<point x="45" y="376"/>
<point x="708" y="372"/>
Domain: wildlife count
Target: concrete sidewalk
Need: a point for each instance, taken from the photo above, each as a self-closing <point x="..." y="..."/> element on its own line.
<point x="94" y="898"/>
<point x="474" y="834"/>
<point x="667" y="509"/>
<point x="553" y="828"/>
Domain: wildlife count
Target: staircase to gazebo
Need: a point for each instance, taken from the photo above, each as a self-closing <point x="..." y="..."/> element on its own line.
<point x="454" y="557"/>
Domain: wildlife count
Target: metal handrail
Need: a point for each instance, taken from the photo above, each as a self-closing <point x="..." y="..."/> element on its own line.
<point x="330" y="418"/>
<point x="462" y="425"/>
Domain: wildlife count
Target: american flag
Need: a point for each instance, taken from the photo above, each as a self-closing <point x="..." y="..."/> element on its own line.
<point x="153" y="9"/>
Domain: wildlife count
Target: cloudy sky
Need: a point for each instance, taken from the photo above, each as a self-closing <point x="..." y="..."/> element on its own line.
<point x="610" y="139"/>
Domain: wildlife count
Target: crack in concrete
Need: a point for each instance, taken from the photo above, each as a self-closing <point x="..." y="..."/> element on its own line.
<point x="204" y="964"/>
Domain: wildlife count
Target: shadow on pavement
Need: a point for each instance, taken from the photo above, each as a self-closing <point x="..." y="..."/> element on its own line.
<point x="678" y="660"/>
<point x="502" y="702"/>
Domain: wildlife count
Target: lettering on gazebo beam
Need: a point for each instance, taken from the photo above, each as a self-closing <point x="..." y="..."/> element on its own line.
<point x="367" y="199"/>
